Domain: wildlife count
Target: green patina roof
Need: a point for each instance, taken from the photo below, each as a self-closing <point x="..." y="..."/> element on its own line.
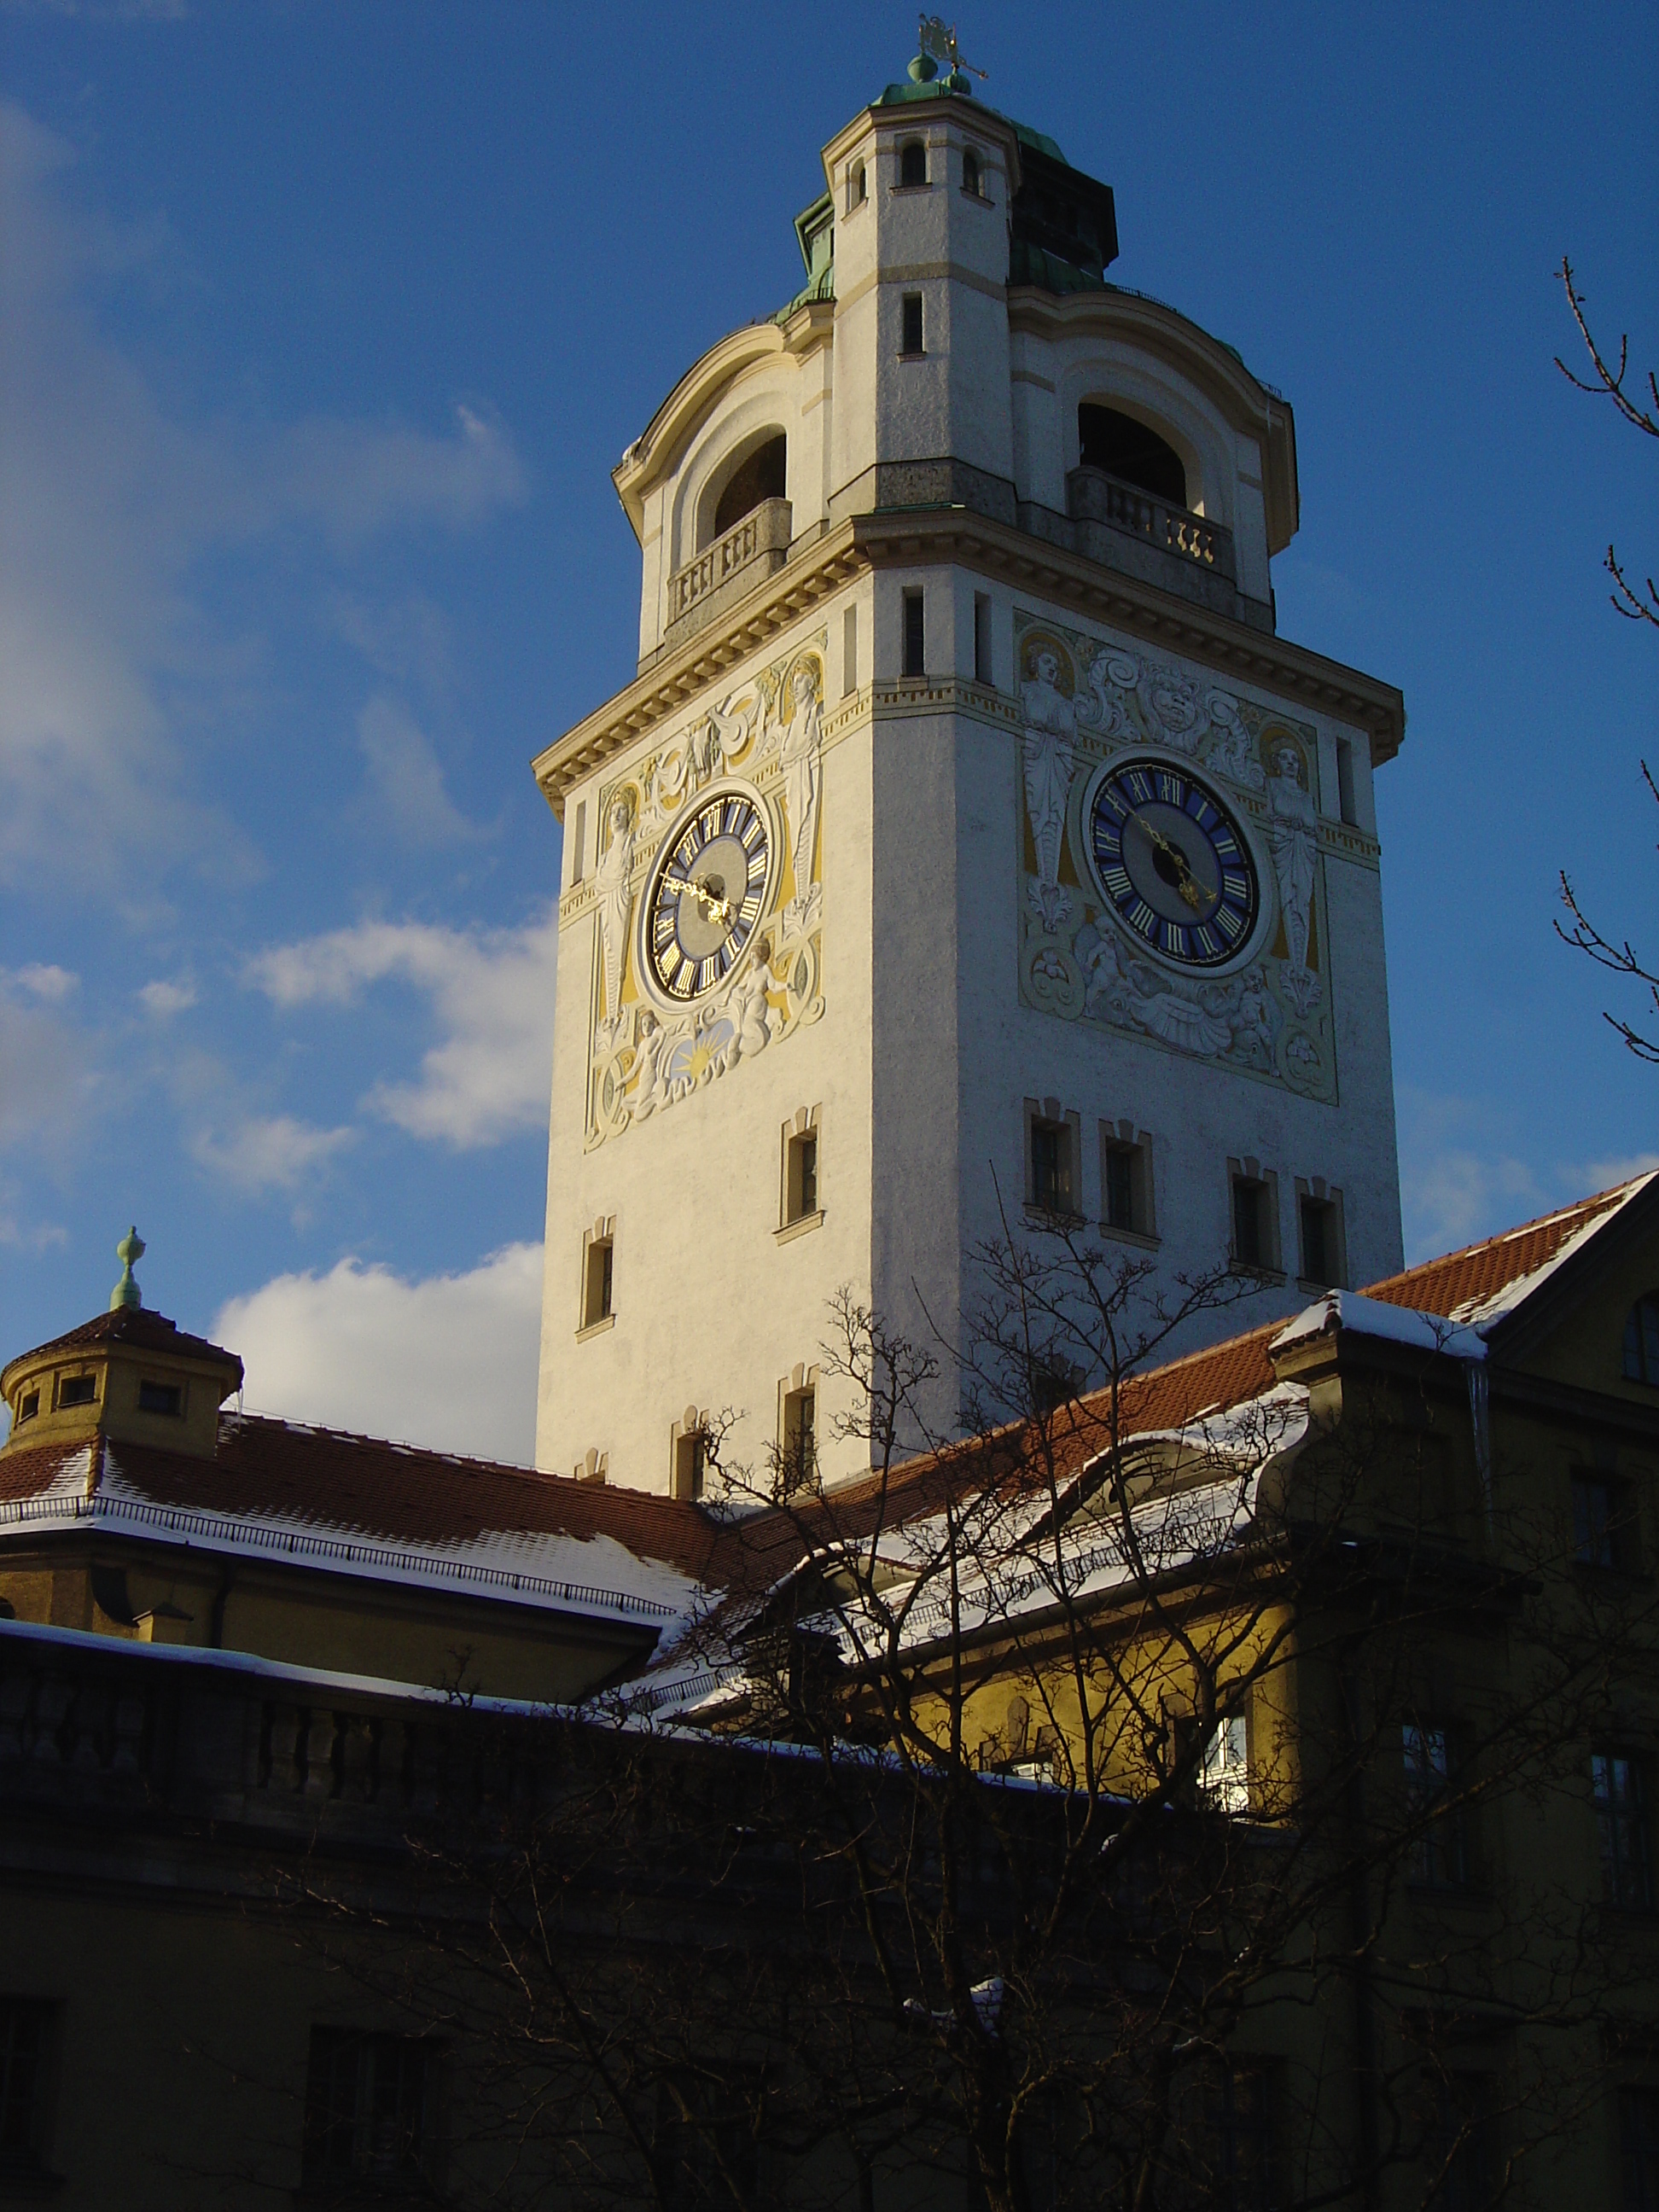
<point x="1064" y="227"/>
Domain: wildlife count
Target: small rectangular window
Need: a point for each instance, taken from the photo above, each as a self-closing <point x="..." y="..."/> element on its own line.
<point x="370" y="2108"/>
<point x="1345" y="798"/>
<point x="799" y="1439"/>
<point x="28" y="1405"/>
<point x="690" y="1463"/>
<point x="1603" y="1528"/>
<point x="598" y="1280"/>
<point x="1437" y="1850"/>
<point x="1119" y="1187"/>
<point x="911" y="343"/>
<point x="1223" y="1773"/>
<point x="24" y="2029"/>
<point x="801" y="1185"/>
<point x="1616" y="1784"/>
<point x="1250" y="1221"/>
<point x="1317" y="1242"/>
<point x="1243" y="2127"/>
<point x="77" y="1389"/>
<point x="982" y="638"/>
<point x="1052" y="1182"/>
<point x="1639" y="2148"/>
<point x="161" y="1398"/>
<point x="915" y="640"/>
<point x="578" y="841"/>
<point x="849" y="652"/>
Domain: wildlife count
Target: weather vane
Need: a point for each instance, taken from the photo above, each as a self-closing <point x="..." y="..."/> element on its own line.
<point x="938" y="40"/>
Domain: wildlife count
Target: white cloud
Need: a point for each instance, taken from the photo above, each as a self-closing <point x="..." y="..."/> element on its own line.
<point x="269" y="1152"/>
<point x="449" y="1362"/>
<point x="405" y="779"/>
<point x="113" y="505"/>
<point x="1459" y="1179"/>
<point x="491" y="993"/>
<point x="47" y="1068"/>
<point x="52" y="984"/>
<point x="1604" y="1175"/>
<point x="161" y="999"/>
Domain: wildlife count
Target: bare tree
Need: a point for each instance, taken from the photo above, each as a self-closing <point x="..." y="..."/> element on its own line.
<point x="1605" y="381"/>
<point x="1122" y="1803"/>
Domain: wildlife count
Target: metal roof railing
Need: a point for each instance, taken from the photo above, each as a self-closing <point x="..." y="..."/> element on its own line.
<point x="183" y="1521"/>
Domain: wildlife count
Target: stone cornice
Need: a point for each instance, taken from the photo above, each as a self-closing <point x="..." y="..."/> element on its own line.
<point x="926" y="537"/>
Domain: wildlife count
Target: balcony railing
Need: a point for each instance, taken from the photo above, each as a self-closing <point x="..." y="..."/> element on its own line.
<point x="1093" y="496"/>
<point x="761" y="535"/>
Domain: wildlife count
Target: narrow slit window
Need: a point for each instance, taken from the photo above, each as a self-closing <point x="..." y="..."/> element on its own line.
<point x="913" y="163"/>
<point x="911" y="340"/>
<point x="1119" y="1187"/>
<point x="915" y="640"/>
<point x="849" y="652"/>
<point x="1051" y="1168"/>
<point x="799" y="1440"/>
<point x="801" y="1177"/>
<point x="982" y="638"/>
<point x="1345" y="798"/>
<point x="970" y="177"/>
<point x="578" y="840"/>
<point x="690" y="1463"/>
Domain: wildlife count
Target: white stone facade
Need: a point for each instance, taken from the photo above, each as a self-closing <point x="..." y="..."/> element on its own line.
<point x="930" y="959"/>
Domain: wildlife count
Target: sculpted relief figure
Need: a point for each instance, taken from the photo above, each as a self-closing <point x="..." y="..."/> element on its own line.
<point x="1172" y="701"/>
<point x="615" y="900"/>
<point x="1050" y="761"/>
<point x="800" y="759"/>
<point x="1111" y="677"/>
<point x="1293" y="841"/>
<point x="1230" y="752"/>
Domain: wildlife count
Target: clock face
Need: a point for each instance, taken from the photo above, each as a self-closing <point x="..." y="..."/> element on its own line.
<point x="1173" y="862"/>
<point x="708" y="892"/>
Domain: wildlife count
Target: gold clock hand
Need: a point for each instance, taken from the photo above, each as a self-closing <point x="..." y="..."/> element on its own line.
<point x="717" y="909"/>
<point x="1188" y="885"/>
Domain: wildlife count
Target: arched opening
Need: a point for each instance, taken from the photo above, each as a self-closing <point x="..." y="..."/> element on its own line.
<point x="761" y="477"/>
<point x="1642" y="1340"/>
<point x="1126" y="449"/>
<point x="912" y="162"/>
<point x="970" y="178"/>
<point x="855" y="187"/>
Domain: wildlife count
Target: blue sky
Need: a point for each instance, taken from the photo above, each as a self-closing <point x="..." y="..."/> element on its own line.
<point x="320" y="329"/>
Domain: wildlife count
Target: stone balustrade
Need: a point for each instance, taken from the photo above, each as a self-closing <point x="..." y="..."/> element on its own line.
<point x="752" y="548"/>
<point x="1093" y="496"/>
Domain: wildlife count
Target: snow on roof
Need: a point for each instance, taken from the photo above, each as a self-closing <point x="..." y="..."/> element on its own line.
<point x="1397" y="1324"/>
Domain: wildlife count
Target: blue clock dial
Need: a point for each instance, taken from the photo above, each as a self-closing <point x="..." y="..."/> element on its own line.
<point x="707" y="893"/>
<point x="1172" y="862"/>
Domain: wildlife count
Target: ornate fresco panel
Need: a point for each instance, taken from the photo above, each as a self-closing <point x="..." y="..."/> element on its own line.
<point x="1265" y="1010"/>
<point x="762" y="743"/>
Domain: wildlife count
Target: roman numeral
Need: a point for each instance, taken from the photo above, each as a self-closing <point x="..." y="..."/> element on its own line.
<point x="1142" y="918"/>
<point x="1118" y="884"/>
<point x="1175" y="939"/>
<point x="1236" y="886"/>
<point x="1168" y="788"/>
<point x="1230" y="922"/>
<point x="1139" y="786"/>
<point x="1208" y="944"/>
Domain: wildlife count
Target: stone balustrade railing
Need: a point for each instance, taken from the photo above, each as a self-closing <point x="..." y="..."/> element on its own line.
<point x="1093" y="496"/>
<point x="761" y="535"/>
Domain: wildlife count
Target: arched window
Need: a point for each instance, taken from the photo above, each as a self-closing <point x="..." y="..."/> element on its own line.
<point x="1642" y="1340"/>
<point x="763" y="475"/>
<point x="912" y="162"/>
<point x="1129" y="451"/>
<point x="855" y="187"/>
<point x="970" y="182"/>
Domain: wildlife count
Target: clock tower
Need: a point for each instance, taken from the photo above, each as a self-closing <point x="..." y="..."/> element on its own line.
<point x="969" y="844"/>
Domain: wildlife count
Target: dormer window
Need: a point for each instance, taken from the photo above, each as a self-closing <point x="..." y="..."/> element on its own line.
<point x="764" y="476"/>
<point x="165" y="1398"/>
<point x="1642" y="1341"/>
<point x="1130" y="452"/>
<point x="27" y="1406"/>
<point x="77" y="1389"/>
<point x="913" y="163"/>
<point x="970" y="176"/>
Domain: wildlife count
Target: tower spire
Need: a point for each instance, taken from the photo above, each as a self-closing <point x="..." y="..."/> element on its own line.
<point x="126" y="1295"/>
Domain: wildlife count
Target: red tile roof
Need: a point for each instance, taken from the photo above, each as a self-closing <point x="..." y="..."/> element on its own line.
<point x="1475" y="1276"/>
<point x="137" y="1326"/>
<point x="398" y="1494"/>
